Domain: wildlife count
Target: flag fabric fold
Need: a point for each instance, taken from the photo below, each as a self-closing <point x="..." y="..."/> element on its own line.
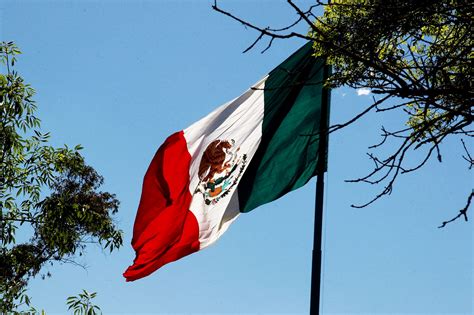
<point x="248" y="152"/>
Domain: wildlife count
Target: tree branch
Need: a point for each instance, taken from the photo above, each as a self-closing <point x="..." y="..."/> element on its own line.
<point x="462" y="212"/>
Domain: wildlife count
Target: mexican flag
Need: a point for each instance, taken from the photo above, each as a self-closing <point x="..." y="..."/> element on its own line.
<point x="249" y="151"/>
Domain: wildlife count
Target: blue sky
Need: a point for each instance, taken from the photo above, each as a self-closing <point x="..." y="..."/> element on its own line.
<point x="118" y="77"/>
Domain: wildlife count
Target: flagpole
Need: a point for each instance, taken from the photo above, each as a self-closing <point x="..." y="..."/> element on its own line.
<point x="315" y="301"/>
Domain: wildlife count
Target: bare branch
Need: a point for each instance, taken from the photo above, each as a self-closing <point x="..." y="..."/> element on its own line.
<point x="263" y="31"/>
<point x="358" y="116"/>
<point x="462" y="212"/>
<point x="468" y="158"/>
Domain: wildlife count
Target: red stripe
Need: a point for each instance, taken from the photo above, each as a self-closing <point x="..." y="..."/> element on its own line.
<point x="165" y="230"/>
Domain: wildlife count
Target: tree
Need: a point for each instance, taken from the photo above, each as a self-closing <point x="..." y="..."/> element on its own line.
<point x="48" y="193"/>
<point x="415" y="56"/>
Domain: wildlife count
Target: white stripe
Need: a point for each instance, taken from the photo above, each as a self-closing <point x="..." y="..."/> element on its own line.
<point x="239" y="120"/>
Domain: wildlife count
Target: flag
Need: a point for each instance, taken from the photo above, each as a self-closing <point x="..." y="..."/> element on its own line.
<point x="248" y="152"/>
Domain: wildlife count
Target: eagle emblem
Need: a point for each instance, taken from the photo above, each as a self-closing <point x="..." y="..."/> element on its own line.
<point x="219" y="170"/>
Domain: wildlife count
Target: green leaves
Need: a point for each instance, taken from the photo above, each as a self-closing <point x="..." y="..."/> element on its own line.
<point x="8" y="53"/>
<point x="82" y="304"/>
<point x="396" y="45"/>
<point x="419" y="52"/>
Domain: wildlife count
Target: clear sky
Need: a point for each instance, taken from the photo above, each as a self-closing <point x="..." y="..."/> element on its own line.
<point x="118" y="77"/>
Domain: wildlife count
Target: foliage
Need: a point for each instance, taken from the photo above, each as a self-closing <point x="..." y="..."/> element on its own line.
<point x="82" y="305"/>
<point x="48" y="193"/>
<point x="419" y="54"/>
<point x="414" y="56"/>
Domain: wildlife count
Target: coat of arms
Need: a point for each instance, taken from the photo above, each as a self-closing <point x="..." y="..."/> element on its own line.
<point x="219" y="170"/>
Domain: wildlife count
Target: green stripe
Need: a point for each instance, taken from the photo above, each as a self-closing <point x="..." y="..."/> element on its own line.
<point x="287" y="156"/>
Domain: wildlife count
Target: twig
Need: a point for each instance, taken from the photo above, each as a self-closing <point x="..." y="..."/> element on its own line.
<point x="468" y="158"/>
<point x="462" y="212"/>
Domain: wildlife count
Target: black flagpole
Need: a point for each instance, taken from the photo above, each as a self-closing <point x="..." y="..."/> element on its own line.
<point x="318" y="215"/>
